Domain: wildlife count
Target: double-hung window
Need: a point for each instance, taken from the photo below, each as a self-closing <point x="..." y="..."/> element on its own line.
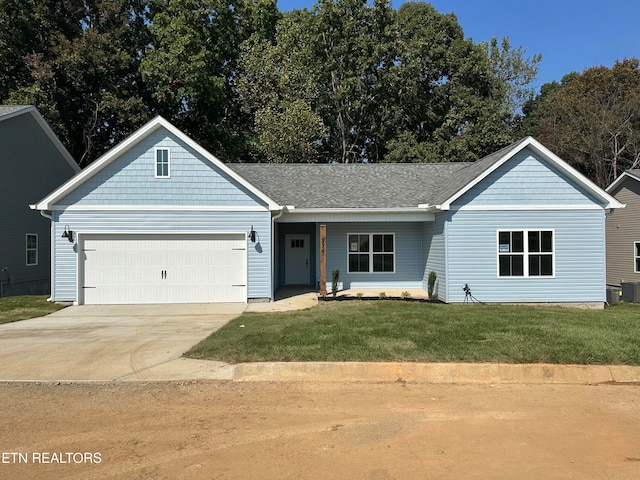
<point x="32" y="249"/>
<point x="371" y="252"/>
<point x="636" y="256"/>
<point x="526" y="253"/>
<point x="162" y="163"/>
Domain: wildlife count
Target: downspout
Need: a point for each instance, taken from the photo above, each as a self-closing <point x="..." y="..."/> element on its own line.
<point x="273" y="252"/>
<point x="53" y="254"/>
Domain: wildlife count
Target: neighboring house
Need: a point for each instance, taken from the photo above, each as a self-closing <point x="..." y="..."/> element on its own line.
<point x="160" y="219"/>
<point x="623" y="230"/>
<point x="33" y="163"/>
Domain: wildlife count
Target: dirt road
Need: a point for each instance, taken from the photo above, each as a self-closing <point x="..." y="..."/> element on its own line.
<point x="218" y="430"/>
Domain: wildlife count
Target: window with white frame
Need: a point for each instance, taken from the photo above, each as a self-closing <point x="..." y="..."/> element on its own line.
<point x="526" y="253"/>
<point x="162" y="163"/>
<point x="636" y="251"/>
<point x="32" y="249"/>
<point x="371" y="252"/>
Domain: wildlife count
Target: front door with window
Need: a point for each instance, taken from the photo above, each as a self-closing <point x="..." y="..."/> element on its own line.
<point x="296" y="260"/>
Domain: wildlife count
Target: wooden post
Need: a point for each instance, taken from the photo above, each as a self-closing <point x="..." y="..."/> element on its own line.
<point x="323" y="260"/>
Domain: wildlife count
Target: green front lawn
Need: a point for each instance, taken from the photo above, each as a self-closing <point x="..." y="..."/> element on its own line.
<point x="13" y="309"/>
<point x="418" y="332"/>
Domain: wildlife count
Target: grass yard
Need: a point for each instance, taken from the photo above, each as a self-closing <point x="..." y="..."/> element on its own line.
<point x="419" y="332"/>
<point x="17" y="308"/>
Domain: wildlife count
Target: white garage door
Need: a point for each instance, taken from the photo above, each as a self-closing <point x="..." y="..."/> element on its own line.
<point x="163" y="268"/>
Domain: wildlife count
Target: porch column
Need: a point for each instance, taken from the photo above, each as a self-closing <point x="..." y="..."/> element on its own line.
<point x="323" y="260"/>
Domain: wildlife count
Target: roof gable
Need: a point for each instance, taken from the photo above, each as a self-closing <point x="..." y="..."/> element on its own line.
<point x="103" y="164"/>
<point x="633" y="174"/>
<point x="484" y="167"/>
<point x="10" y="111"/>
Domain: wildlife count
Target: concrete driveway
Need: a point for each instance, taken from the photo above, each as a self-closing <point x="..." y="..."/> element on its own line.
<point x="111" y="342"/>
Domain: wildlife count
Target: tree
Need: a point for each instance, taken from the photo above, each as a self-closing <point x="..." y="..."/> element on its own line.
<point x="592" y="119"/>
<point x="81" y="70"/>
<point x="455" y="99"/>
<point x="351" y="43"/>
<point x="192" y="65"/>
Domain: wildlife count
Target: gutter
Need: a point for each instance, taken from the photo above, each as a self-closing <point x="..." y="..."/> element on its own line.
<point x="418" y="209"/>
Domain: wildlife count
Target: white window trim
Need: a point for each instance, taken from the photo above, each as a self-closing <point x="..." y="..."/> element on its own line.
<point x="371" y="253"/>
<point x="636" y="245"/>
<point x="155" y="162"/>
<point x="27" y="249"/>
<point x="525" y="253"/>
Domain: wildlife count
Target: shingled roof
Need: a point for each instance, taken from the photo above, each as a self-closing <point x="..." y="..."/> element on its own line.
<point x="362" y="185"/>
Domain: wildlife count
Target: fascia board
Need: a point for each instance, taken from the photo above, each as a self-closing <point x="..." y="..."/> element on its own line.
<point x="220" y="165"/>
<point x="98" y="164"/>
<point x="54" y="139"/>
<point x="621" y="179"/>
<point x="446" y="205"/>
<point x="133" y="139"/>
<point x="42" y="123"/>
<point x="608" y="200"/>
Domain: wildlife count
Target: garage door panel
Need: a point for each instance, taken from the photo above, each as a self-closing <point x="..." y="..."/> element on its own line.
<point x="164" y="268"/>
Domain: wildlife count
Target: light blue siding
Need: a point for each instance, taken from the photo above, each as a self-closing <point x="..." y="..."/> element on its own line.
<point x="526" y="179"/>
<point x="435" y="251"/>
<point x="259" y="253"/>
<point x="130" y="180"/>
<point x="579" y="256"/>
<point x="409" y="255"/>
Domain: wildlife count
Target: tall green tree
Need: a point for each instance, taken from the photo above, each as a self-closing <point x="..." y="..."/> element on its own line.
<point x="592" y="119"/>
<point x="455" y="99"/>
<point x="352" y="44"/>
<point x="277" y="83"/>
<point x="78" y="63"/>
<point x="192" y="65"/>
<point x="387" y="85"/>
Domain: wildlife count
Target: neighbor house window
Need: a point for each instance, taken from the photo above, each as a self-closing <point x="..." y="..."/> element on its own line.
<point x="525" y="253"/>
<point x="636" y="251"/>
<point x="371" y="252"/>
<point x="32" y="249"/>
<point x="162" y="163"/>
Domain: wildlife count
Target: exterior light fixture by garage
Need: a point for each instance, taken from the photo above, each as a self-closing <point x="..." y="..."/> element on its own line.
<point x="252" y="235"/>
<point x="68" y="233"/>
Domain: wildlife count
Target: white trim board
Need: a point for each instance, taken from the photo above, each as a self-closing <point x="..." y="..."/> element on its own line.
<point x="153" y="208"/>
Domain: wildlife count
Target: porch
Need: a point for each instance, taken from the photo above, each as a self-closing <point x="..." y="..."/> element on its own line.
<point x="372" y="257"/>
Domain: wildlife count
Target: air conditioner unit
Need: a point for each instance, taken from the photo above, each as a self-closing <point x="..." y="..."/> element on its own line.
<point x="631" y="292"/>
<point x="613" y="295"/>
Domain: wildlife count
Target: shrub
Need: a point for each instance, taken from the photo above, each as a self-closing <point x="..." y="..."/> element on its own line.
<point x="431" y="283"/>
<point x="335" y="278"/>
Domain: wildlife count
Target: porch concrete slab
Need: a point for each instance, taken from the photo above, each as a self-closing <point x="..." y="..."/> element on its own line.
<point x="105" y="342"/>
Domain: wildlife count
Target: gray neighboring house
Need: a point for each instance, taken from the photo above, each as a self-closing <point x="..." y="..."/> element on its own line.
<point x="623" y="230"/>
<point x="34" y="161"/>
<point x="158" y="219"/>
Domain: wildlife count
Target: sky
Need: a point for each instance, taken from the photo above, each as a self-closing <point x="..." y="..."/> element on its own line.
<point x="571" y="35"/>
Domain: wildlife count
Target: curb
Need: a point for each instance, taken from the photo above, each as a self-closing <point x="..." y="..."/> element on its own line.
<point x="443" y="373"/>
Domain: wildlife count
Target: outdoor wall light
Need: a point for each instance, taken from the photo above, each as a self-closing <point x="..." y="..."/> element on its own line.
<point x="68" y="233"/>
<point x="252" y="235"/>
